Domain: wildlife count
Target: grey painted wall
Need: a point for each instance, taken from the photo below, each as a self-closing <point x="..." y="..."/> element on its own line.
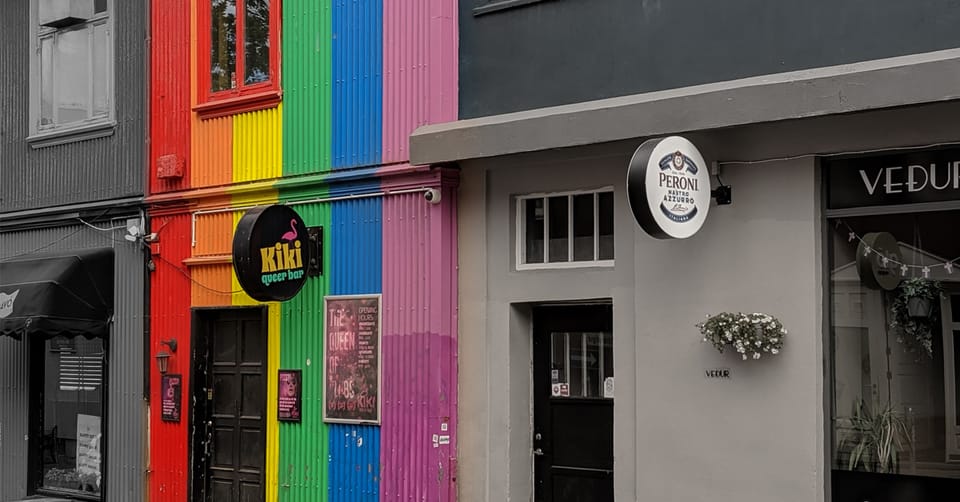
<point x="127" y="414"/>
<point x="678" y="436"/>
<point x="564" y="51"/>
<point x="97" y="169"/>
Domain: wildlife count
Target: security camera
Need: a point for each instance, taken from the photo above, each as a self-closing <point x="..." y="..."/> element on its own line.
<point x="432" y="195"/>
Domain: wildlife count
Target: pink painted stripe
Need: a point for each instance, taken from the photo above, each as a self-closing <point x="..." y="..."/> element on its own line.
<point x="419" y="348"/>
<point x="419" y="69"/>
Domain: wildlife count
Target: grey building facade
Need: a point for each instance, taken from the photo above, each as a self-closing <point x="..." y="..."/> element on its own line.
<point x="72" y="254"/>
<point x="554" y="269"/>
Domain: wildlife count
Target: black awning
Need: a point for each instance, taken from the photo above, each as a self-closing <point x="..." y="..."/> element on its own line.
<point x="57" y="295"/>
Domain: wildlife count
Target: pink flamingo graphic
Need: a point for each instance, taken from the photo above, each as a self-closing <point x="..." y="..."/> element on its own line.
<point x="292" y="234"/>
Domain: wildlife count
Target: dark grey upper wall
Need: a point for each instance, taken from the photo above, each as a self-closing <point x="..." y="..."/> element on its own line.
<point x="564" y="51"/>
<point x="92" y="170"/>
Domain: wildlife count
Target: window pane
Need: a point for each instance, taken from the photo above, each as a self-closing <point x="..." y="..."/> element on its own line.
<point x="99" y="6"/>
<point x="70" y="447"/>
<point x="583" y="227"/>
<point x="256" y="34"/>
<point x="223" y="45"/>
<point x="605" y="214"/>
<point x="559" y="227"/>
<point x="72" y="75"/>
<point x="576" y="365"/>
<point x="101" y="81"/>
<point x="607" y="355"/>
<point x="592" y="384"/>
<point x="46" y="81"/>
<point x="533" y="209"/>
<point x="558" y="358"/>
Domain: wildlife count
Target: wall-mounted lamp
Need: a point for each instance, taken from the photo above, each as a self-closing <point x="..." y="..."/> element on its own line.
<point x="163" y="357"/>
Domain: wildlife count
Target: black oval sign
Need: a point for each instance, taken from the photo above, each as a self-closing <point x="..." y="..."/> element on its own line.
<point x="270" y="253"/>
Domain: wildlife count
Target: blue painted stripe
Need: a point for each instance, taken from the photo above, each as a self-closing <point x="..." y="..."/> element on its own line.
<point x="356" y="264"/>
<point x="357" y="83"/>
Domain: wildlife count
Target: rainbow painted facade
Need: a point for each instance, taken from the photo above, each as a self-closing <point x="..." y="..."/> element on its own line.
<point x="323" y="128"/>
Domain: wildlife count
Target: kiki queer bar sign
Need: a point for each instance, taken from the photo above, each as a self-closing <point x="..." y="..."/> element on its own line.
<point x="903" y="178"/>
<point x="271" y="253"/>
<point x="352" y="359"/>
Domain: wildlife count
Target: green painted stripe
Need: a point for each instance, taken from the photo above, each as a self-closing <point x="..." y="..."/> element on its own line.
<point x="303" y="475"/>
<point x="307" y="85"/>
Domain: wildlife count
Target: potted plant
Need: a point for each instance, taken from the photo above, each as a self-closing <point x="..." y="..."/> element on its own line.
<point x="914" y="314"/>
<point x="749" y="334"/>
<point x="873" y="438"/>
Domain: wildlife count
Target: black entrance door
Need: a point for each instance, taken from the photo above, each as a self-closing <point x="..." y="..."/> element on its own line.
<point x="573" y="403"/>
<point x="229" y="418"/>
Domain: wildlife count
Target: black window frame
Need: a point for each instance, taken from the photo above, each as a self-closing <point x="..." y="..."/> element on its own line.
<point x="36" y="383"/>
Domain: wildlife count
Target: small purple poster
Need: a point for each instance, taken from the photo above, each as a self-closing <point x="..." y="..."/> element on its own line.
<point x="170" y="398"/>
<point x="352" y="359"/>
<point x="288" y="396"/>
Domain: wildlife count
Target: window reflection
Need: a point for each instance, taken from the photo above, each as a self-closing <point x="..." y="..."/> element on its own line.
<point x="879" y="380"/>
<point x="256" y="34"/>
<point x="223" y="45"/>
<point x="583" y="362"/>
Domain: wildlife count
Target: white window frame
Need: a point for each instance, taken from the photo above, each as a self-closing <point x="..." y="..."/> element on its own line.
<point x="94" y="127"/>
<point x="521" y="226"/>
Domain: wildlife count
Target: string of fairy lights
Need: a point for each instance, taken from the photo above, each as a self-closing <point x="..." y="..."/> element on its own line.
<point x="885" y="260"/>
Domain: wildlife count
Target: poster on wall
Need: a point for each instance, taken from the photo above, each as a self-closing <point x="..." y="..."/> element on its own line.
<point x="352" y="359"/>
<point x="88" y="450"/>
<point x="170" y="398"/>
<point x="289" y="397"/>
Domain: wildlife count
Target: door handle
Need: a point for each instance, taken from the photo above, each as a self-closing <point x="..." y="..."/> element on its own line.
<point x="538" y="452"/>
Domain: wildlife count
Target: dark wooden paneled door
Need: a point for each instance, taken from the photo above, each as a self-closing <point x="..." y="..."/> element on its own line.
<point x="573" y="403"/>
<point x="230" y="388"/>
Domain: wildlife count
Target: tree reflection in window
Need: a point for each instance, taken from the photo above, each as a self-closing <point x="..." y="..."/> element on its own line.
<point x="256" y="41"/>
<point x="223" y="45"/>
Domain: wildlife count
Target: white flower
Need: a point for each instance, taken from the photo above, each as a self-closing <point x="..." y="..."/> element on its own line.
<point x="774" y="351"/>
<point x="704" y="339"/>
<point x="756" y="355"/>
<point x="758" y="343"/>
<point x="744" y="357"/>
<point x="774" y="340"/>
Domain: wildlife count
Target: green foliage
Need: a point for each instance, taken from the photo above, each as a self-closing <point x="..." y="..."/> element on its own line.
<point x="873" y="438"/>
<point x="916" y="333"/>
<point x="749" y="334"/>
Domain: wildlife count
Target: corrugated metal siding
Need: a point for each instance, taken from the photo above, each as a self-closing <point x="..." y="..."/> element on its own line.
<point x="14" y="399"/>
<point x="358" y="83"/>
<point x="170" y="115"/>
<point x="355" y="268"/>
<point x="419" y="349"/>
<point x="419" y="70"/>
<point x="211" y="285"/>
<point x="214" y="234"/>
<point x="170" y="317"/>
<point x="97" y="169"/>
<point x="307" y="91"/>
<point x="211" y="152"/>
<point x="258" y="145"/>
<point x="303" y="468"/>
<point x="126" y="416"/>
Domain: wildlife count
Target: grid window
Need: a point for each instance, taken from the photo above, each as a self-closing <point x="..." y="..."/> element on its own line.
<point x="572" y="229"/>
<point x="238" y="52"/>
<point x="73" y="66"/>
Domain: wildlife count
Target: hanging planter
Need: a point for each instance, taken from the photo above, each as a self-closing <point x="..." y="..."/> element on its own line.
<point x="914" y="314"/>
<point x="919" y="307"/>
<point x="750" y="335"/>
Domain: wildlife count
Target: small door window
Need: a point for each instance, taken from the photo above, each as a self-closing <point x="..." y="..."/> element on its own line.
<point x="581" y="364"/>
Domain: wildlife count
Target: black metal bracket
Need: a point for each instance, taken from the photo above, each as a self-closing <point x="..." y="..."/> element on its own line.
<point x="315" y="251"/>
<point x="722" y="194"/>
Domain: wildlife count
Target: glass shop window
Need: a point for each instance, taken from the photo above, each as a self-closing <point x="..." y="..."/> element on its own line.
<point x="581" y="364"/>
<point x="71" y="445"/>
<point x="562" y="230"/>
<point x="895" y="350"/>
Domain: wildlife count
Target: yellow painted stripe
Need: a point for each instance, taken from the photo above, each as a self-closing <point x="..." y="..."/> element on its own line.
<point x="273" y="428"/>
<point x="258" y="145"/>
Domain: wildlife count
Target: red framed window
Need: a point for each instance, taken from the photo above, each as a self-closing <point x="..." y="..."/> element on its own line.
<point x="239" y="55"/>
